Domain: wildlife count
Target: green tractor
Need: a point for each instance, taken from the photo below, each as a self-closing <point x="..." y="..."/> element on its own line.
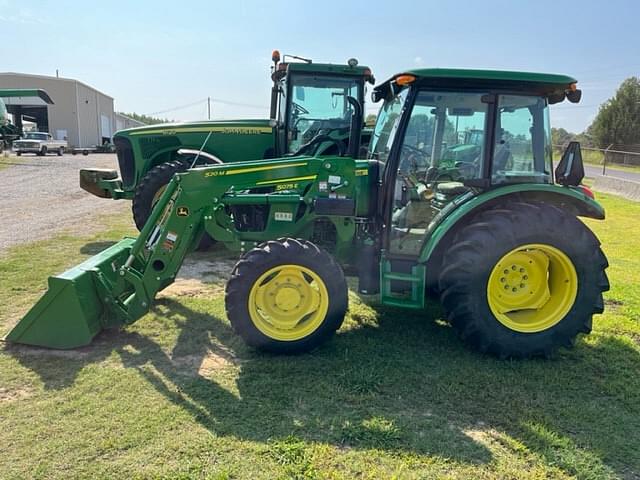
<point x="516" y="271"/>
<point x="8" y="131"/>
<point x="307" y="99"/>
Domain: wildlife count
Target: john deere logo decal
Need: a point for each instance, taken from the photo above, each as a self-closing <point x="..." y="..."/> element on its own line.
<point x="182" y="212"/>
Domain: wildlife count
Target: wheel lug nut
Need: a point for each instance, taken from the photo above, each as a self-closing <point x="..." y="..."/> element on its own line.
<point x="521" y="270"/>
<point x="522" y="285"/>
<point x="502" y="280"/>
<point x="525" y="277"/>
<point x="514" y="289"/>
<point x="506" y="271"/>
<point x="513" y="267"/>
<point x="506" y="287"/>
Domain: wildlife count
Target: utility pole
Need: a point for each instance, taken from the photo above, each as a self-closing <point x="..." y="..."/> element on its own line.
<point x="208" y="108"/>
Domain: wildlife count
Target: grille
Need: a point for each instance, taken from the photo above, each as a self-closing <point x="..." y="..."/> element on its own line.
<point x="125" y="160"/>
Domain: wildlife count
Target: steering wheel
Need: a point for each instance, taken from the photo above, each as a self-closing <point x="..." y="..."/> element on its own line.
<point x="299" y="109"/>
<point x="319" y="138"/>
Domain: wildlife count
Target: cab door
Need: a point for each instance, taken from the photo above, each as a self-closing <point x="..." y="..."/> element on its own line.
<point x="427" y="168"/>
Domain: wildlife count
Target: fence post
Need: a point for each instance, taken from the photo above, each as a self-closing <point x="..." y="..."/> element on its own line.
<point x="604" y="160"/>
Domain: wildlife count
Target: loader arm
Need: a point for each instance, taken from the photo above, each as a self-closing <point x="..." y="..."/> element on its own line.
<point x="118" y="286"/>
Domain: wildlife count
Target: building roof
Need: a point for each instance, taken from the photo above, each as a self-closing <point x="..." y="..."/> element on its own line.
<point x="49" y="77"/>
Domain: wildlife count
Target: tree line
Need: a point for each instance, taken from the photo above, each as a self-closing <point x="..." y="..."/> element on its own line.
<point x="146" y="119"/>
<point x="617" y="121"/>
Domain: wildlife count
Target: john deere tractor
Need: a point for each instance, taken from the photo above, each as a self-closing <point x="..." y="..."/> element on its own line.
<point x="517" y="272"/>
<point x="306" y="99"/>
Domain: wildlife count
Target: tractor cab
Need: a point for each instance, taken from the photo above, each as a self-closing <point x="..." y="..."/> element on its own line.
<point x="312" y="105"/>
<point x="444" y="136"/>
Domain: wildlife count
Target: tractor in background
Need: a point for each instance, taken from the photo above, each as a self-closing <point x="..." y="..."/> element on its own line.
<point x="516" y="271"/>
<point x="306" y="99"/>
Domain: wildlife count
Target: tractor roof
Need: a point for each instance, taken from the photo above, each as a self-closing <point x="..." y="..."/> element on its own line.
<point x="440" y="78"/>
<point x="322" y="68"/>
<point x="328" y="68"/>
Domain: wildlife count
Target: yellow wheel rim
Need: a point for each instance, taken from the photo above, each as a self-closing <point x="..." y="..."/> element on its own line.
<point x="532" y="288"/>
<point x="288" y="302"/>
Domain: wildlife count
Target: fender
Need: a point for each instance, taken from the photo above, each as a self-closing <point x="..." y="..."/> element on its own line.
<point x="570" y="199"/>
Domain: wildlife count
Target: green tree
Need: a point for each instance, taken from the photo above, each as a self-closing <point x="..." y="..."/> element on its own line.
<point x="618" y="120"/>
<point x="560" y="137"/>
<point x="146" y="119"/>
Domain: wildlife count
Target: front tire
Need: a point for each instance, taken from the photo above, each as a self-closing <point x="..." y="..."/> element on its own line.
<point x="523" y="281"/>
<point x="286" y="296"/>
<point x="151" y="187"/>
<point x="43" y="152"/>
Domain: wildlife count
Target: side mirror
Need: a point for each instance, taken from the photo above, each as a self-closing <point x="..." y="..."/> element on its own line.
<point x="574" y="96"/>
<point x="570" y="170"/>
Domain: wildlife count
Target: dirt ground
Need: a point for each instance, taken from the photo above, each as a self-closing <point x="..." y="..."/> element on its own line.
<point x="41" y="196"/>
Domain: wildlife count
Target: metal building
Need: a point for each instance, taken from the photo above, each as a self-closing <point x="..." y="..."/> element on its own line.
<point x="123" y="122"/>
<point x="80" y="114"/>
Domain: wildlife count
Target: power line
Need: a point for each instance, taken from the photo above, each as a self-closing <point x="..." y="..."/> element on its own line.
<point x="205" y="100"/>
<point x="181" y="107"/>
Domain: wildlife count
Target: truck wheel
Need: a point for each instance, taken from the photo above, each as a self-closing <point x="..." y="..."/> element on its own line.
<point x="151" y="188"/>
<point x="43" y="152"/>
<point x="19" y="154"/>
<point x="286" y="296"/>
<point x="523" y="281"/>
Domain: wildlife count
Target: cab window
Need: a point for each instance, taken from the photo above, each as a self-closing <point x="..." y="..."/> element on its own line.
<point x="443" y="145"/>
<point x="386" y="127"/>
<point x="522" y="150"/>
<point x="318" y="104"/>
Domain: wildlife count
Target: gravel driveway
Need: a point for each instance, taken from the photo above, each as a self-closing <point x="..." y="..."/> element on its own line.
<point x="41" y="196"/>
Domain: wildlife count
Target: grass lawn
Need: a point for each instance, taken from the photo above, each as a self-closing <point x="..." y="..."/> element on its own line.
<point x="8" y="160"/>
<point x="394" y="395"/>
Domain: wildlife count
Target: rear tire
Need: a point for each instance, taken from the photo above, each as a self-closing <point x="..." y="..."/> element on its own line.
<point x="296" y="314"/>
<point x="495" y="239"/>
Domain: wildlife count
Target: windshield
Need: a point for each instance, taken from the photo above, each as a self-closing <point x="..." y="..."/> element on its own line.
<point x="35" y="136"/>
<point x="319" y="104"/>
<point x="386" y="127"/>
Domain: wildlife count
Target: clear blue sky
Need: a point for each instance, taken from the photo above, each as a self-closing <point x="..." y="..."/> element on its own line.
<point x="152" y="55"/>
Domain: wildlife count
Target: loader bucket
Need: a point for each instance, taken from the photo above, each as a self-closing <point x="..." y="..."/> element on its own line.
<point x="72" y="311"/>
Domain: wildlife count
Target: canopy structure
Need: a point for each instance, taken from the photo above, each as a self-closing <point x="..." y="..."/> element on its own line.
<point x="25" y="96"/>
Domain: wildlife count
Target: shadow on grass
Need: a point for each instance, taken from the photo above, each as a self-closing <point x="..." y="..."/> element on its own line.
<point x="404" y="384"/>
<point x="94" y="248"/>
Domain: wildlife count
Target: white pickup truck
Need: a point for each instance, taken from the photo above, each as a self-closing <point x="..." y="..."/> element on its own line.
<point x="39" y="143"/>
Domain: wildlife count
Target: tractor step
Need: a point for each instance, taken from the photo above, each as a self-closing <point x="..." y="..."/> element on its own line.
<point x="412" y="283"/>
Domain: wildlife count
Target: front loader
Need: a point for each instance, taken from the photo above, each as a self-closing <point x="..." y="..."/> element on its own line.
<point x="517" y="272"/>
